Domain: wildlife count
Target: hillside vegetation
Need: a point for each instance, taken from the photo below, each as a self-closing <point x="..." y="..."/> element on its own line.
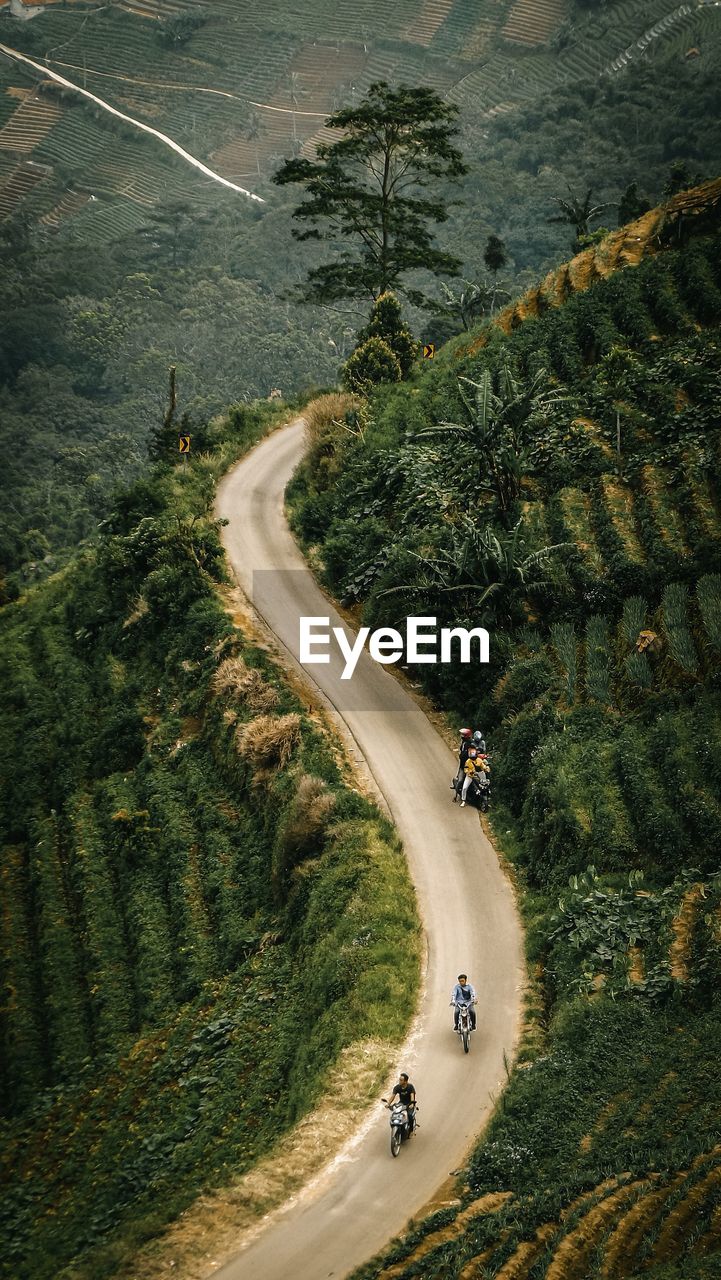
<point x="557" y="477"/>
<point x="183" y="272"/>
<point x="196" y="913"/>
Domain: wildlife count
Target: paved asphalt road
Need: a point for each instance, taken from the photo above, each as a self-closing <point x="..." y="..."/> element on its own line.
<point x="366" y="1197"/>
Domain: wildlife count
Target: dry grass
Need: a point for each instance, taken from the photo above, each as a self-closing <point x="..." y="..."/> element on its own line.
<point x="235" y="678"/>
<point x="622" y="1245"/>
<point x="473" y="1212"/>
<point x="321" y="413"/>
<point x="571" y="1259"/>
<point x="683" y="1218"/>
<point x="519" y="1264"/>
<point x="682" y="927"/>
<point x="268" y="742"/>
<point x="636" y="969"/>
<point x="308" y="817"/>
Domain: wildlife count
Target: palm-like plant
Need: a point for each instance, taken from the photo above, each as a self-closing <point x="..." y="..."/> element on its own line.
<point x="497" y="428"/>
<point x="489" y="566"/>
<point x="579" y="214"/>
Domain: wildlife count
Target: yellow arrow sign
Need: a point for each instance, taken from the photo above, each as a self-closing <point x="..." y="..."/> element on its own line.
<point x="184" y="444"/>
<point x="429" y="350"/>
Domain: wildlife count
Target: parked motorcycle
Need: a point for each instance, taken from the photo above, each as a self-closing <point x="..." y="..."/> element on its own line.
<point x="402" y="1125"/>
<point x="465" y="1024"/>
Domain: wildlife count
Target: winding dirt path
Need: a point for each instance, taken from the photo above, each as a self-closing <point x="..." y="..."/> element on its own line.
<point x="365" y="1197"/>
<point x="121" y="115"/>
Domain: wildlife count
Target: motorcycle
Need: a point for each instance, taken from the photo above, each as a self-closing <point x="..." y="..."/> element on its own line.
<point x="402" y="1125"/>
<point x="478" y="794"/>
<point x="465" y="1024"/>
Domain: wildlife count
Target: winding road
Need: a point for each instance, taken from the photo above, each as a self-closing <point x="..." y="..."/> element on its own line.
<point x="365" y="1197"/>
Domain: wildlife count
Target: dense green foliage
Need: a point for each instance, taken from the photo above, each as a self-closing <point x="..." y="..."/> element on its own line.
<point x="375" y="190"/>
<point x="197" y="912"/>
<point x="162" y="268"/>
<point x="598" y="575"/>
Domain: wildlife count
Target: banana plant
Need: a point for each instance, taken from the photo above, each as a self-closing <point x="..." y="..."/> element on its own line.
<point x="490" y="566"/>
<point x="497" y="428"/>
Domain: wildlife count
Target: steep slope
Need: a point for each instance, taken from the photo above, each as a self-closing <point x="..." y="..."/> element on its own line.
<point x="579" y="518"/>
<point x="199" y="913"/>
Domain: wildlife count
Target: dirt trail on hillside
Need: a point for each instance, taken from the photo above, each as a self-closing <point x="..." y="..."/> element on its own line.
<point x="365" y="1197"/>
<point x="121" y="115"/>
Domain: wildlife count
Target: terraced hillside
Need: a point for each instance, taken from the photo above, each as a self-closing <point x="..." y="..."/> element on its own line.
<point x="243" y="95"/>
<point x="556" y="477"/>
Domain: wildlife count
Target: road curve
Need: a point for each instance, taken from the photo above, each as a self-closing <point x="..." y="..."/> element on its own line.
<point x="465" y="902"/>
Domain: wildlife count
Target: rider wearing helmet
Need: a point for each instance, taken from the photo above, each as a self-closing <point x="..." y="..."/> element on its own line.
<point x="479" y="741"/>
<point x="466" y="743"/>
<point x="464" y="993"/>
<point x="407" y="1095"/>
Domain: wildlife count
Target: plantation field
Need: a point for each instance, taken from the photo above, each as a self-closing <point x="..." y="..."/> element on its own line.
<point x="600" y="584"/>
<point x="198" y="914"/>
<point x="243" y="96"/>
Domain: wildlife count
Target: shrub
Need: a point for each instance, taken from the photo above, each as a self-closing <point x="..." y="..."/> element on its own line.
<point x="386" y="322"/>
<point x="708" y="594"/>
<point x="324" y="412"/>
<point x="268" y="742"/>
<point x="674" y="613"/>
<point x="305" y="826"/>
<point x="597" y="660"/>
<point x="370" y="364"/>
<point x="564" y="642"/>
<point x="245" y="683"/>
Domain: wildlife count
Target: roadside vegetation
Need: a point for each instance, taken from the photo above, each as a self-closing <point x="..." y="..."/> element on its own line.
<point x="197" y="918"/>
<point x="556" y="477"/>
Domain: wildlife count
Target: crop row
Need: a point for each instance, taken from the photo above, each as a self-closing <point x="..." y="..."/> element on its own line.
<point x="122" y="909"/>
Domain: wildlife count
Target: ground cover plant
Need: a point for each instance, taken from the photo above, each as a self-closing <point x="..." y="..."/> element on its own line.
<point x="196" y="918"/>
<point x="602" y="706"/>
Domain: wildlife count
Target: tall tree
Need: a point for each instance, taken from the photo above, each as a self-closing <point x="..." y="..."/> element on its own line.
<point x="377" y="191"/>
<point x="494" y="254"/>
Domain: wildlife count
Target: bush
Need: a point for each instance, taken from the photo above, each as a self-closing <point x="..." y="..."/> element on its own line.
<point x="234" y="677"/>
<point x="386" y="322"/>
<point x="268" y="742"/>
<point x="303" y="831"/>
<point x="369" y="365"/>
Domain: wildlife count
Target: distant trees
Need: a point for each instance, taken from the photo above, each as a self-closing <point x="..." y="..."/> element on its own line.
<point x="376" y="190"/>
<point x="494" y="255"/>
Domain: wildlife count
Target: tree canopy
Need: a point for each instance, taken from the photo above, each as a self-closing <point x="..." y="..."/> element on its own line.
<point x="376" y="190"/>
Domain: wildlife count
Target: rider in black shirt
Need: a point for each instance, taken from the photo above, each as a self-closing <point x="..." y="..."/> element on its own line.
<point x="407" y="1095"/>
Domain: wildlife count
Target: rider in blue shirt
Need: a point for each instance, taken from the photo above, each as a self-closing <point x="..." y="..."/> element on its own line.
<point x="463" y="993"/>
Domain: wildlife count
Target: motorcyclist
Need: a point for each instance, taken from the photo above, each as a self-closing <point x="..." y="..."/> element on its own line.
<point x="407" y="1095"/>
<point x="466" y="737"/>
<point x="464" y="993"/>
<point x="479" y="741"/>
<point x="470" y="768"/>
